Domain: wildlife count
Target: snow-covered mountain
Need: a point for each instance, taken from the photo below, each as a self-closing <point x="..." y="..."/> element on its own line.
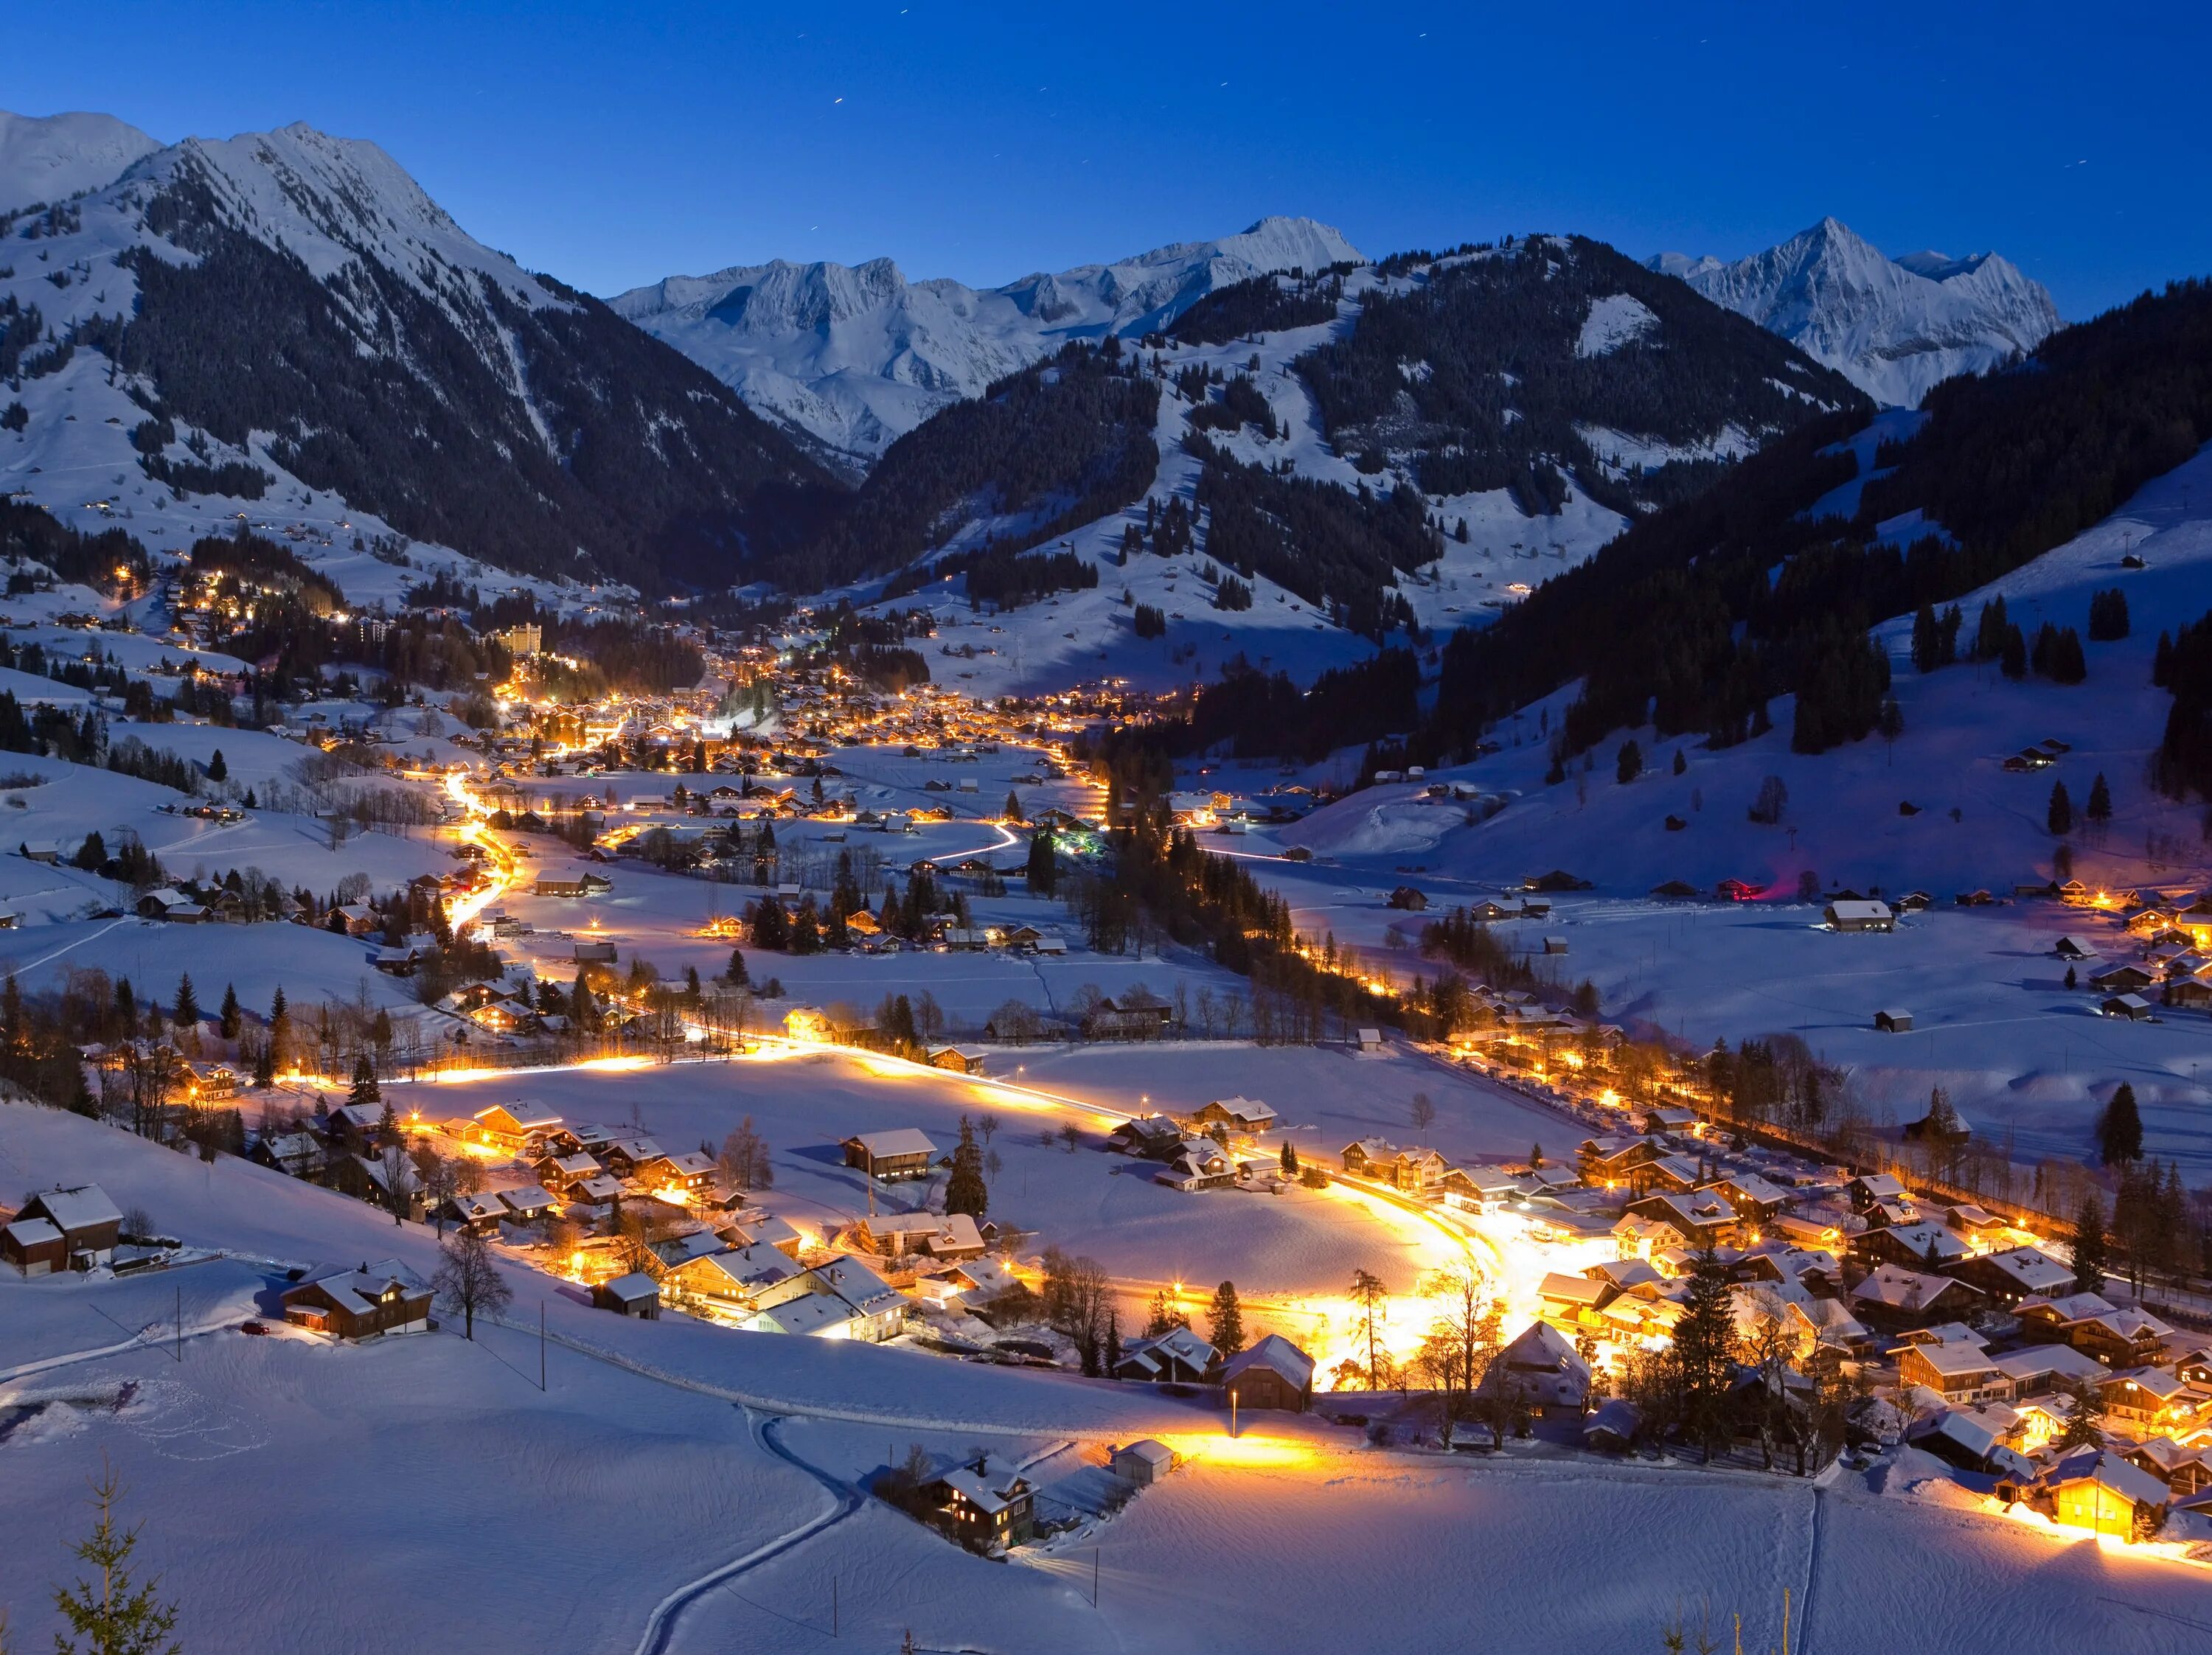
<point x="857" y="355"/>
<point x="1894" y="326"/>
<point x="48" y="158"/>
<point x="287" y="313"/>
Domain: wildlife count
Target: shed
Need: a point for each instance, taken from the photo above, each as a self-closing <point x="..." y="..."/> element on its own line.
<point x="902" y="1152"/>
<point x="2133" y="1007"/>
<point x="1894" y="1021"/>
<point x="1555" y="945"/>
<point x="634" y="1294"/>
<point x="1270" y="1373"/>
<point x="1370" y="1039"/>
<point x="1143" y="1462"/>
<point x="1845" y="914"/>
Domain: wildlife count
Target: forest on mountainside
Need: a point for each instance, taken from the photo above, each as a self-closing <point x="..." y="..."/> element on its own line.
<point x="1696" y="616"/>
<point x="1475" y="372"/>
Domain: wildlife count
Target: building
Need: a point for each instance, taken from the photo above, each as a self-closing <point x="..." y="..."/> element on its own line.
<point x="75" y="1228"/>
<point x="902" y="1152"/>
<point x="1958" y="1371"/>
<point x="1369" y="1157"/>
<point x="843" y="1299"/>
<point x="983" y="1503"/>
<point x="1155" y="1137"/>
<point x="734" y="1277"/>
<point x="1860" y="915"/>
<point x="948" y="1235"/>
<point x="1547" y="1371"/>
<point x="1270" y="1373"/>
<point x="634" y="1294"/>
<point x="1894" y="1021"/>
<point x="1177" y="1355"/>
<point x="1238" y="1114"/>
<point x="2014" y="1275"/>
<point x="2100" y="1491"/>
<point x="1197" y="1163"/>
<point x="960" y="1059"/>
<point x="1143" y="1462"/>
<point x="385" y="1297"/>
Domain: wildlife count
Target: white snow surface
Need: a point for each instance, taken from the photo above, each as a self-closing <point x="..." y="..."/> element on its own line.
<point x="857" y="355"/>
<point x="1894" y="327"/>
<point x="1615" y="320"/>
<point x="49" y="158"/>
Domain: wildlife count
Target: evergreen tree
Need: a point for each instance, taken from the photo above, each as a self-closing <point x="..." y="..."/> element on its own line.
<point x="364" y="1088"/>
<point x="1289" y="1159"/>
<point x="1681" y="764"/>
<point x="218" y="769"/>
<point x="965" y="1190"/>
<point x="1013" y="811"/>
<point x="2090" y="1248"/>
<point x="1628" y="763"/>
<point x="2119" y="1129"/>
<point x="232" y="1016"/>
<point x="2059" y="817"/>
<point x="1705" y="1340"/>
<point x="1227" y="1320"/>
<point x="735" y="971"/>
<point x="108" y="1615"/>
<point x="2100" y="809"/>
<point x="187" y="1013"/>
<point x="1041" y="869"/>
<point x="771" y="926"/>
<point x="2085" y="1424"/>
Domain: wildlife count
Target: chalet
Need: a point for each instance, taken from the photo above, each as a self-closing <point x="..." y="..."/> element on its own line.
<point x="479" y="1213"/>
<point x="2121" y="980"/>
<point x="2119" y="1336"/>
<point x="1107" y="1021"/>
<point x="1864" y="915"/>
<point x="764" y="1229"/>
<point x="74" y="1228"/>
<point x="1142" y="1462"/>
<point x="1616" y="1160"/>
<point x="1703" y="1217"/>
<point x="173" y="906"/>
<point x="2149" y="1400"/>
<point x="1479" y="1189"/>
<point x="549" y="886"/>
<point x="1369" y="1158"/>
<point x="902" y="1152"/>
<point x="2098" y="1490"/>
<point x="2013" y="1275"/>
<point x="807" y="1024"/>
<point x="1751" y="1195"/>
<point x="735" y="1277"/>
<point x="506" y="1130"/>
<point x="1924" y="1246"/>
<point x="1544" y="1368"/>
<point x="2067" y="949"/>
<point x="1870" y="1188"/>
<point x="1141" y="1003"/>
<point x="1177" y="1355"/>
<point x="2133" y="1008"/>
<point x="591" y="951"/>
<point x="1198" y="1164"/>
<point x="1153" y="1137"/>
<point x="1270" y="1372"/>
<point x="960" y="1059"/>
<point x="295" y="1155"/>
<point x="947" y="1235"/>
<point x="525" y="1203"/>
<point x="1967" y="1441"/>
<point x="1575" y="1302"/>
<point x="1238" y="1114"/>
<point x="843" y="1299"/>
<point x="2185" y="1469"/>
<point x="984" y="1503"/>
<point x="1890" y="1296"/>
<point x="634" y="1294"/>
<point x="623" y="1156"/>
<point x="1961" y="1371"/>
<point x="385" y="1297"/>
<point x="690" y="1172"/>
<point x="1656" y="1121"/>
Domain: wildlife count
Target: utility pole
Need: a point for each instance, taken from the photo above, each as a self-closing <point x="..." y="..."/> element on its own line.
<point x="541" y="1344"/>
<point x="832" y="1606"/>
<point x="180" y="1324"/>
<point x="1094" y="1576"/>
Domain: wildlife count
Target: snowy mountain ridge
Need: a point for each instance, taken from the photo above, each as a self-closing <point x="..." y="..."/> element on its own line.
<point x="49" y="158"/>
<point x="857" y="355"/>
<point x="1894" y="326"/>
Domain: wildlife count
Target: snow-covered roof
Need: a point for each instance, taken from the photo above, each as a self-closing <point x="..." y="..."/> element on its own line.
<point x="2131" y="1482"/>
<point x="357" y="1288"/>
<point x="1276" y="1354"/>
<point x="86" y="1207"/>
<point x="28" y="1233"/>
<point x="898" y="1141"/>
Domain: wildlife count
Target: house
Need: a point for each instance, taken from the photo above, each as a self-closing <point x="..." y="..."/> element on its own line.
<point x="1546" y="1370"/>
<point x="173" y="906"/>
<point x="1270" y="1372"/>
<point x="1890" y="1296"/>
<point x="960" y="1059"/>
<point x="843" y="1299"/>
<point x="1153" y="1137"/>
<point x="984" y="1503"/>
<point x="1369" y="1157"/>
<point x="1961" y="1370"/>
<point x="766" y="1230"/>
<point x="295" y="1155"/>
<point x="687" y="1174"/>
<point x="2147" y="1400"/>
<point x="549" y="885"/>
<point x="2097" y="1489"/>
<point x="481" y="1212"/>
<point x="1872" y="1189"/>
<point x="2132" y="1007"/>
<point x="947" y="1235"/>
<point x="2067" y="949"/>
<point x="1198" y="1164"/>
<point x="73" y="1227"/>
<point x="807" y="1024"/>
<point x="1176" y="1354"/>
<point x="634" y="1294"/>
<point x="1418" y="1172"/>
<point x="1894" y="1021"/>
<point x="1239" y="1114"/>
<point x="385" y="1297"/>
<point x="1965" y="1440"/>
<point x="1843" y="915"/>
<point x="1702" y="1217"/>
<point x="735" y="1277"/>
<point x="508" y="1129"/>
<point x="902" y="1152"/>
<point x="2115" y="1335"/>
<point x="1574" y="1302"/>
<point x="1925" y="1245"/>
<point x="1615" y="1427"/>
<point x="1143" y="1462"/>
<point x="2014" y="1275"/>
<point x="2121" y="980"/>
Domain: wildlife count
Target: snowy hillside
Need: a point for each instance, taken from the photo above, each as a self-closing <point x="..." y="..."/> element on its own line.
<point x="295" y="318"/>
<point x="1894" y="326"/>
<point x="857" y="355"/>
<point x="49" y="158"/>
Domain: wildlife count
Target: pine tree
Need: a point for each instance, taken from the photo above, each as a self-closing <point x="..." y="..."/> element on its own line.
<point x="1226" y="1319"/>
<point x="2099" y="809"/>
<point x="187" y="1013"/>
<point x="2090" y="1249"/>
<point x="2085" y="1424"/>
<point x="232" y="1017"/>
<point x="1628" y="763"/>
<point x="1013" y="811"/>
<point x="1704" y="1339"/>
<point x="2059" y="818"/>
<point x="107" y="1615"/>
<point x="735" y="972"/>
<point x="1042" y="869"/>
<point x="965" y="1190"/>
<point x="364" y="1090"/>
<point x="218" y="769"/>
<point x="2119" y="1129"/>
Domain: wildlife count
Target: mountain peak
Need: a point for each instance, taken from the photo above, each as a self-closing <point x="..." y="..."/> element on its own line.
<point x="1895" y="327"/>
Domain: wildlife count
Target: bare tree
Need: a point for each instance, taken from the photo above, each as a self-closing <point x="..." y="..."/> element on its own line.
<point x="1423" y="1114"/>
<point x="928" y="1017"/>
<point x="467" y="1278"/>
<point x="745" y="1158"/>
<point x="401" y="1181"/>
<point x="1369" y="1295"/>
<point x="440" y="1183"/>
<point x="987" y="1125"/>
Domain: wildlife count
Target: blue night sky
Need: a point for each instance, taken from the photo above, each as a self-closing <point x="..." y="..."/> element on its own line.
<point x="612" y="145"/>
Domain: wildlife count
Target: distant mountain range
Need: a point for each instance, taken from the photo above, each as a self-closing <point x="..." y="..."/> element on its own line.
<point x="856" y="356"/>
<point x="1892" y="327"/>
